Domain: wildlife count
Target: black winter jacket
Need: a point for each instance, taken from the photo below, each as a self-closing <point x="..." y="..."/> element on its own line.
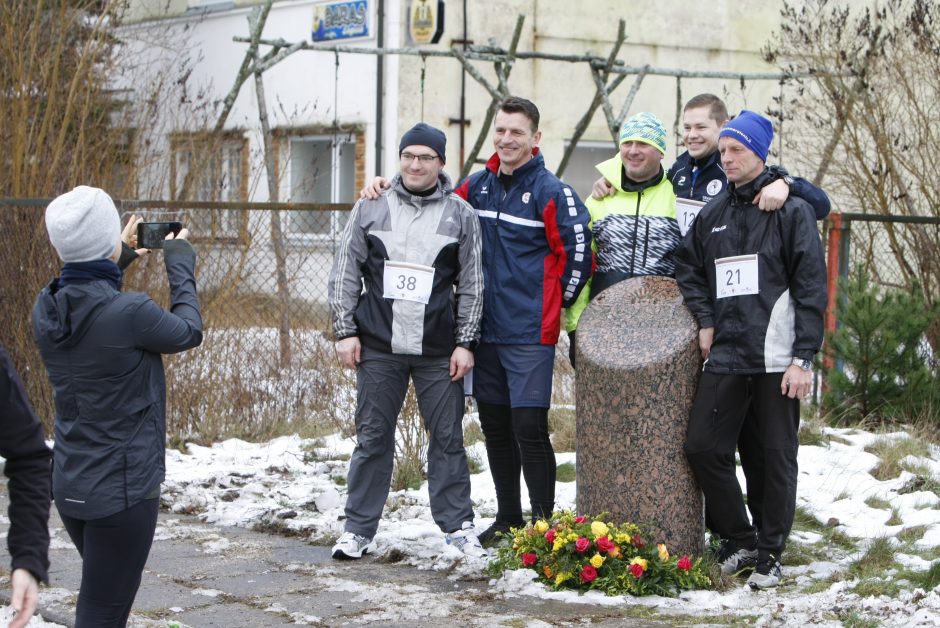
<point x="102" y="350"/>
<point x="756" y="333"/>
<point x="28" y="469"/>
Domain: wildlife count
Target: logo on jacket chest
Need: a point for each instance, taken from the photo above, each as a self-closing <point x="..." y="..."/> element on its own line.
<point x="714" y="187"/>
<point x="526" y="197"/>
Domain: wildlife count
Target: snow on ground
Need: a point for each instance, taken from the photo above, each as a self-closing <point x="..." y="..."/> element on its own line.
<point x="293" y="484"/>
<point x="298" y="485"/>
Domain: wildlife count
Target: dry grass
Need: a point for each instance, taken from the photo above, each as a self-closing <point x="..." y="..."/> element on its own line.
<point x="562" y="426"/>
<point x="892" y="451"/>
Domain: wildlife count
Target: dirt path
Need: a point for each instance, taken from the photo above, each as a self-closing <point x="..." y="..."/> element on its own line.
<point x="201" y="575"/>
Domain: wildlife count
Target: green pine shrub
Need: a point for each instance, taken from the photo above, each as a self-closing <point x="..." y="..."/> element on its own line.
<point x="884" y="371"/>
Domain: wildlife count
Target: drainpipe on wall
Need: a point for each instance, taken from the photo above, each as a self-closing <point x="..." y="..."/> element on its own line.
<point x="379" y="86"/>
<point x="463" y="92"/>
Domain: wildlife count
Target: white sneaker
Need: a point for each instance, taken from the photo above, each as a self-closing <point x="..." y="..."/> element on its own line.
<point x="465" y="539"/>
<point x="767" y="574"/>
<point x="351" y="546"/>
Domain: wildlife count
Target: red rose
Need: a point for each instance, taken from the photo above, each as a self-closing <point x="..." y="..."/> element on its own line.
<point x="636" y="570"/>
<point x="580" y="519"/>
<point x="605" y="545"/>
<point x="550" y="535"/>
<point x="638" y="541"/>
<point x="582" y="545"/>
<point x="588" y="573"/>
<point x="684" y="564"/>
<point x="529" y="559"/>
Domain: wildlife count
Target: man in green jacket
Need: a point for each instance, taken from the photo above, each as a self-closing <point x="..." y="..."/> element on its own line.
<point x="635" y="229"/>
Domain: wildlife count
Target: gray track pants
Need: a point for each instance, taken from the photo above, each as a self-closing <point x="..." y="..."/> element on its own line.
<point x="381" y="385"/>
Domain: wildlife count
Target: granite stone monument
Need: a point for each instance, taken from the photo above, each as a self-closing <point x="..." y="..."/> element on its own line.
<point x="638" y="364"/>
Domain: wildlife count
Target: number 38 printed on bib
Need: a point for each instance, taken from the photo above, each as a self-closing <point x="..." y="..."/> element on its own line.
<point x="409" y="282"/>
<point x="736" y="276"/>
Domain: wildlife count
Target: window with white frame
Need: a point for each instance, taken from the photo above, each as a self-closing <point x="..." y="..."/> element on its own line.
<point x="581" y="173"/>
<point x="206" y="168"/>
<point x="321" y="169"/>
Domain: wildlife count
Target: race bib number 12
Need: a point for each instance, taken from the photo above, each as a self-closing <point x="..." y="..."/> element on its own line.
<point x="686" y="211"/>
<point x="410" y="282"/>
<point x="736" y="276"/>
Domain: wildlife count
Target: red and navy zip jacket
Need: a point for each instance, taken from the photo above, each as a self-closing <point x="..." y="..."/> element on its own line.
<point x="536" y="251"/>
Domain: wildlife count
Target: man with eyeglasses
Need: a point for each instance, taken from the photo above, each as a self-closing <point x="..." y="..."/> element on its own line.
<point x="537" y="259"/>
<point x="406" y="295"/>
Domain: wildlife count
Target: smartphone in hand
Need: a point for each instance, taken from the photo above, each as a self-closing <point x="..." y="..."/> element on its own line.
<point x="151" y="235"/>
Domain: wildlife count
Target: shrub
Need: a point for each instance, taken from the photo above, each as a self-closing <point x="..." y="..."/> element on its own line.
<point x="883" y="368"/>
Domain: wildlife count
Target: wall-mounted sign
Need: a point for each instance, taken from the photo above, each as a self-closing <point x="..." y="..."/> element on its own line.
<point x="425" y="21"/>
<point x="340" y="20"/>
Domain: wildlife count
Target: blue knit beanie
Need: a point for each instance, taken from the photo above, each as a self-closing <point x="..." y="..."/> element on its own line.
<point x="647" y="128"/>
<point x="423" y="134"/>
<point x="751" y="129"/>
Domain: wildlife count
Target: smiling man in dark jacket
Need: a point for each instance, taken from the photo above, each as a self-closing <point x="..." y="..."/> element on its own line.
<point x="756" y="283"/>
<point x="103" y="350"/>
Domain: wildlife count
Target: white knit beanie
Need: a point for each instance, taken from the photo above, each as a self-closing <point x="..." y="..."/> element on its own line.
<point x="83" y="225"/>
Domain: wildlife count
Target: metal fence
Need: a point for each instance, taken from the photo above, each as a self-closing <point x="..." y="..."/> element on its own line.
<point x="267" y="363"/>
<point x="898" y="252"/>
<point x="262" y="272"/>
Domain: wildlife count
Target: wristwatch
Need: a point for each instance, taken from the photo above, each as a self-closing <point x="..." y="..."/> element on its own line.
<point x="788" y="180"/>
<point x="806" y="365"/>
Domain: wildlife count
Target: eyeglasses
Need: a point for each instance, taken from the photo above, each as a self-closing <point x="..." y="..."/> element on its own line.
<point x="407" y="158"/>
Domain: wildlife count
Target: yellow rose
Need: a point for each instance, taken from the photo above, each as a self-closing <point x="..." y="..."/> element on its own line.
<point x="640" y="561"/>
<point x="558" y="544"/>
<point x="599" y="529"/>
<point x="597" y="560"/>
<point x="541" y="526"/>
<point x="663" y="552"/>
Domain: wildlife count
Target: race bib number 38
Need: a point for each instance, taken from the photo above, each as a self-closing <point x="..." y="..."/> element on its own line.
<point x="410" y="282"/>
<point x="736" y="276"/>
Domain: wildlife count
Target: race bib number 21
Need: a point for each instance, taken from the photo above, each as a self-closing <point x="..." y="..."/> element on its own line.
<point x="736" y="276"/>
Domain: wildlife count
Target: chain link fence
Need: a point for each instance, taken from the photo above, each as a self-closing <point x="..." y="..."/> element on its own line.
<point x="898" y="252"/>
<point x="267" y="365"/>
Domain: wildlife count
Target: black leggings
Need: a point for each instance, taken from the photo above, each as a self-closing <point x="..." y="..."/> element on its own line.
<point x="114" y="551"/>
<point x="517" y="439"/>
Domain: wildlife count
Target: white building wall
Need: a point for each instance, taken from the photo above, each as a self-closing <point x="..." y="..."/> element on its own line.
<point x="196" y="52"/>
<point x="724" y="35"/>
<point x="303" y="90"/>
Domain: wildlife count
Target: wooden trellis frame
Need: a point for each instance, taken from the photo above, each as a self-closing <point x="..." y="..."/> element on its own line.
<point x="608" y="74"/>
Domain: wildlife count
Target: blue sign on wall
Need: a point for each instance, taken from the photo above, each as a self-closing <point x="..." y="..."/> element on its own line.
<point x="340" y="20"/>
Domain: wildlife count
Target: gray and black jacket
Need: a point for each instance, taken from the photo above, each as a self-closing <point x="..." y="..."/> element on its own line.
<point x="102" y="349"/>
<point x="440" y="230"/>
<point x="756" y="333"/>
